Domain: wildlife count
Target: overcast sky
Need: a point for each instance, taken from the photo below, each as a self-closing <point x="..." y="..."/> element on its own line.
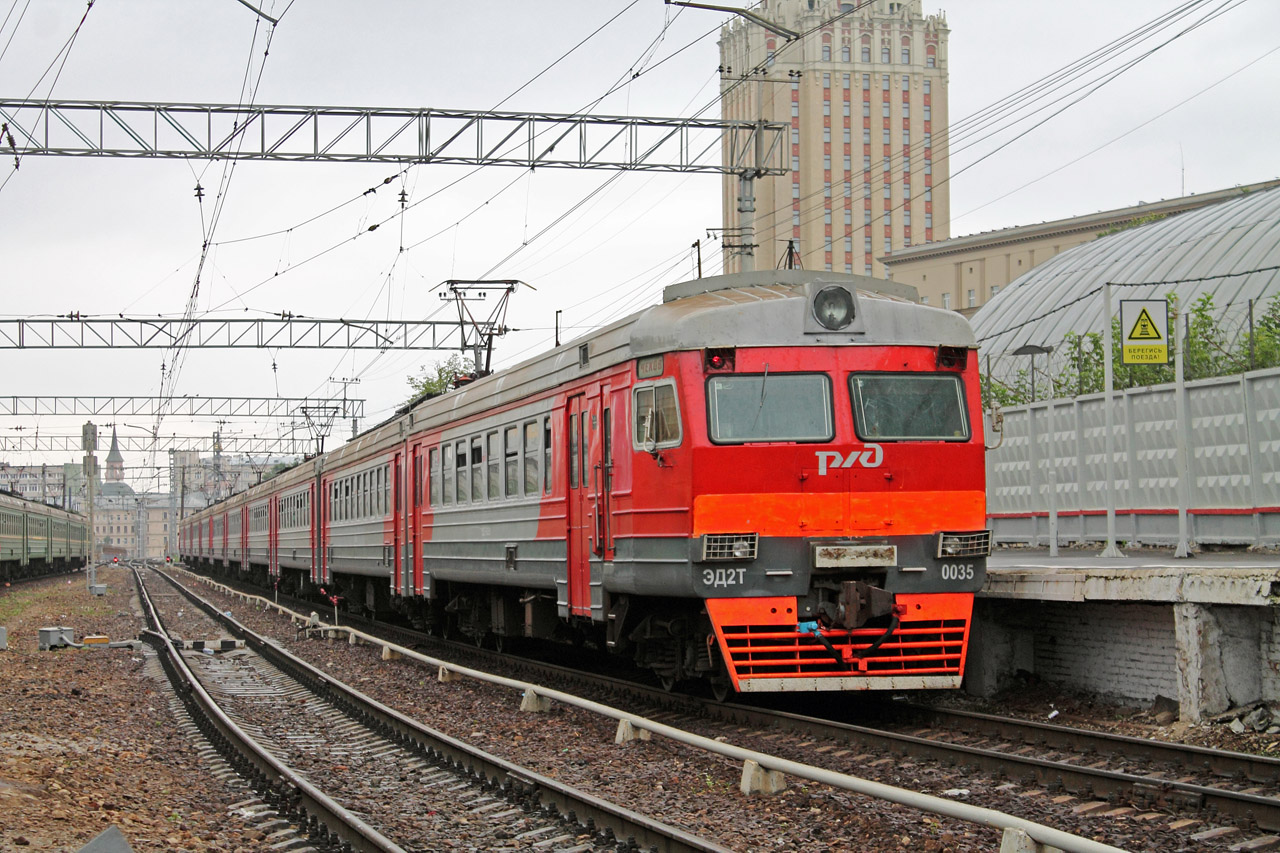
<point x="111" y="236"/>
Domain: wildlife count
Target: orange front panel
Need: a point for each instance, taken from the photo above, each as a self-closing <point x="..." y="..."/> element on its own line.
<point x="760" y="639"/>
<point x="824" y="513"/>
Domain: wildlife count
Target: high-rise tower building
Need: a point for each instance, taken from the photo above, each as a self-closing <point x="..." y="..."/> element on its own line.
<point x="864" y="89"/>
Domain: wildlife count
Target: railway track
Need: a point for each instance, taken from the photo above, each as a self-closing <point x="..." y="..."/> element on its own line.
<point x="422" y="789"/>
<point x="1204" y="794"/>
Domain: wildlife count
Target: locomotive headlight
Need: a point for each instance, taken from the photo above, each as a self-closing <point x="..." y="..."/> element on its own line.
<point x="833" y="308"/>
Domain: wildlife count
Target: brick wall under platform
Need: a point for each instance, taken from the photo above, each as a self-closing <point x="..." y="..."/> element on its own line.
<point x="1126" y="650"/>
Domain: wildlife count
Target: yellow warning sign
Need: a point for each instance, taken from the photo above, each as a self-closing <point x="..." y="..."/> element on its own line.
<point x="1146" y="331"/>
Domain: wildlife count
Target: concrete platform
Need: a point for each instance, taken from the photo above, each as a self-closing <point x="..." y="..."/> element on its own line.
<point x="1217" y="577"/>
<point x="1205" y="630"/>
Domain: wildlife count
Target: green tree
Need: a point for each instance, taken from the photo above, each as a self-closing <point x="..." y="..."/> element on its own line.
<point x="436" y="378"/>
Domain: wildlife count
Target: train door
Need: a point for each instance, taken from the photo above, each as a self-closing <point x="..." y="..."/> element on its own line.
<point x="398" y="527"/>
<point x="273" y="536"/>
<point x="586" y="519"/>
<point x="313" y="529"/>
<point x="323" y="516"/>
<point x="414" y="506"/>
<point x="244" y="538"/>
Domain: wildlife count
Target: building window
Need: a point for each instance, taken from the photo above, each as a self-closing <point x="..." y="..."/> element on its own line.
<point x="826" y="189"/>
<point x="866" y="110"/>
<point x="847" y="109"/>
<point x="995" y="288"/>
<point x="906" y="219"/>
<point x="826" y="217"/>
<point x="866" y="136"/>
<point x="866" y="81"/>
<point x="867" y="269"/>
<point x="884" y="109"/>
<point x="795" y="190"/>
<point x="888" y="247"/>
<point x="826" y="134"/>
<point x="888" y="192"/>
<point x="928" y="112"/>
<point x="906" y="83"/>
<point x="927" y="86"/>
<point x="795" y="163"/>
<point x="795" y="218"/>
<point x="768" y="60"/>
<point x="826" y="107"/>
<point x="866" y="53"/>
<point x="928" y="195"/>
<point x="906" y="56"/>
<point x="928" y="167"/>
<point x="884" y="83"/>
<point x="906" y="109"/>
<point x="848" y="218"/>
<point x="848" y="189"/>
<point x="846" y="77"/>
<point x="847" y="165"/>
<point x="827" y="244"/>
<point x="866" y="244"/>
<point x="946" y="300"/>
<point x="928" y="139"/>
<point x="826" y="53"/>
<point x="885" y="136"/>
<point x="866" y="217"/>
<point x="866" y="162"/>
<point x="906" y="134"/>
<point x="844" y="53"/>
<point x="795" y="110"/>
<point x="795" y="136"/>
<point x="884" y="55"/>
<point x="846" y="136"/>
<point x="826" y="80"/>
<point x="848" y="245"/>
<point x="848" y="267"/>
<point x="928" y="220"/>
<point x="973" y="298"/>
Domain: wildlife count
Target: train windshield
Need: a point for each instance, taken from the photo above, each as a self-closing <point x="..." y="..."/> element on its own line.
<point x="905" y="407"/>
<point x="769" y="407"/>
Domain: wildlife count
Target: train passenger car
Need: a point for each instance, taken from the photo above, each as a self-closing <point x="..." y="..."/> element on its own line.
<point x="772" y="481"/>
<point x="37" y="539"/>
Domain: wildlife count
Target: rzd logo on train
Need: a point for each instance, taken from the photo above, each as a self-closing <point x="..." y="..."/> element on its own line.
<point x="869" y="457"/>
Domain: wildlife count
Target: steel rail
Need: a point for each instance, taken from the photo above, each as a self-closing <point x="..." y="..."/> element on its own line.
<point x="521" y="784"/>
<point x="924" y="802"/>
<point x="268" y="772"/>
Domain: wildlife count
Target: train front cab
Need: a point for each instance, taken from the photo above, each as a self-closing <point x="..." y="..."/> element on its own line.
<point x="838" y="511"/>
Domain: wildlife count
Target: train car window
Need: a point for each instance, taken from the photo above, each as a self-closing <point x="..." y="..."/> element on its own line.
<point x="511" y="462"/>
<point x="532" y="456"/>
<point x="447" y="474"/>
<point x="908" y="407"/>
<point x="377" y="492"/>
<point x="417" y="478"/>
<point x="464" y="490"/>
<point x="546" y="455"/>
<point x="477" y="468"/>
<point x="435" y="476"/>
<point x="573" y="451"/>
<point x="657" y="416"/>
<point x="769" y="407"/>
<point x="493" y="451"/>
<point x="606" y="436"/>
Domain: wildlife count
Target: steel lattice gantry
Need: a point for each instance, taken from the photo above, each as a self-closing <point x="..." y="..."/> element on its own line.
<point x="227" y="444"/>
<point x="72" y="332"/>
<point x="393" y="135"/>
<point x="215" y="407"/>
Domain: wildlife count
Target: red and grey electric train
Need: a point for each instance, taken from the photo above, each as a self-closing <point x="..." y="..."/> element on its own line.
<point x="773" y="481"/>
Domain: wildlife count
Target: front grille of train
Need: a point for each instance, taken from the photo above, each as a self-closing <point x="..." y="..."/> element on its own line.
<point x="958" y="545"/>
<point x="927" y="647"/>
<point x="730" y="546"/>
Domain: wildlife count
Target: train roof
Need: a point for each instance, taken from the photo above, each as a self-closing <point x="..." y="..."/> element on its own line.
<point x="14" y="501"/>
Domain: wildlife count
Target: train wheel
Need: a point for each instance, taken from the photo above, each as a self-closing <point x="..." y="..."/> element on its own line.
<point x="668" y="682"/>
<point x="720" y="689"/>
<point x="499" y="643"/>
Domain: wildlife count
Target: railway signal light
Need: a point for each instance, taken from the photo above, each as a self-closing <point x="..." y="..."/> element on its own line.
<point x="718" y="359"/>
